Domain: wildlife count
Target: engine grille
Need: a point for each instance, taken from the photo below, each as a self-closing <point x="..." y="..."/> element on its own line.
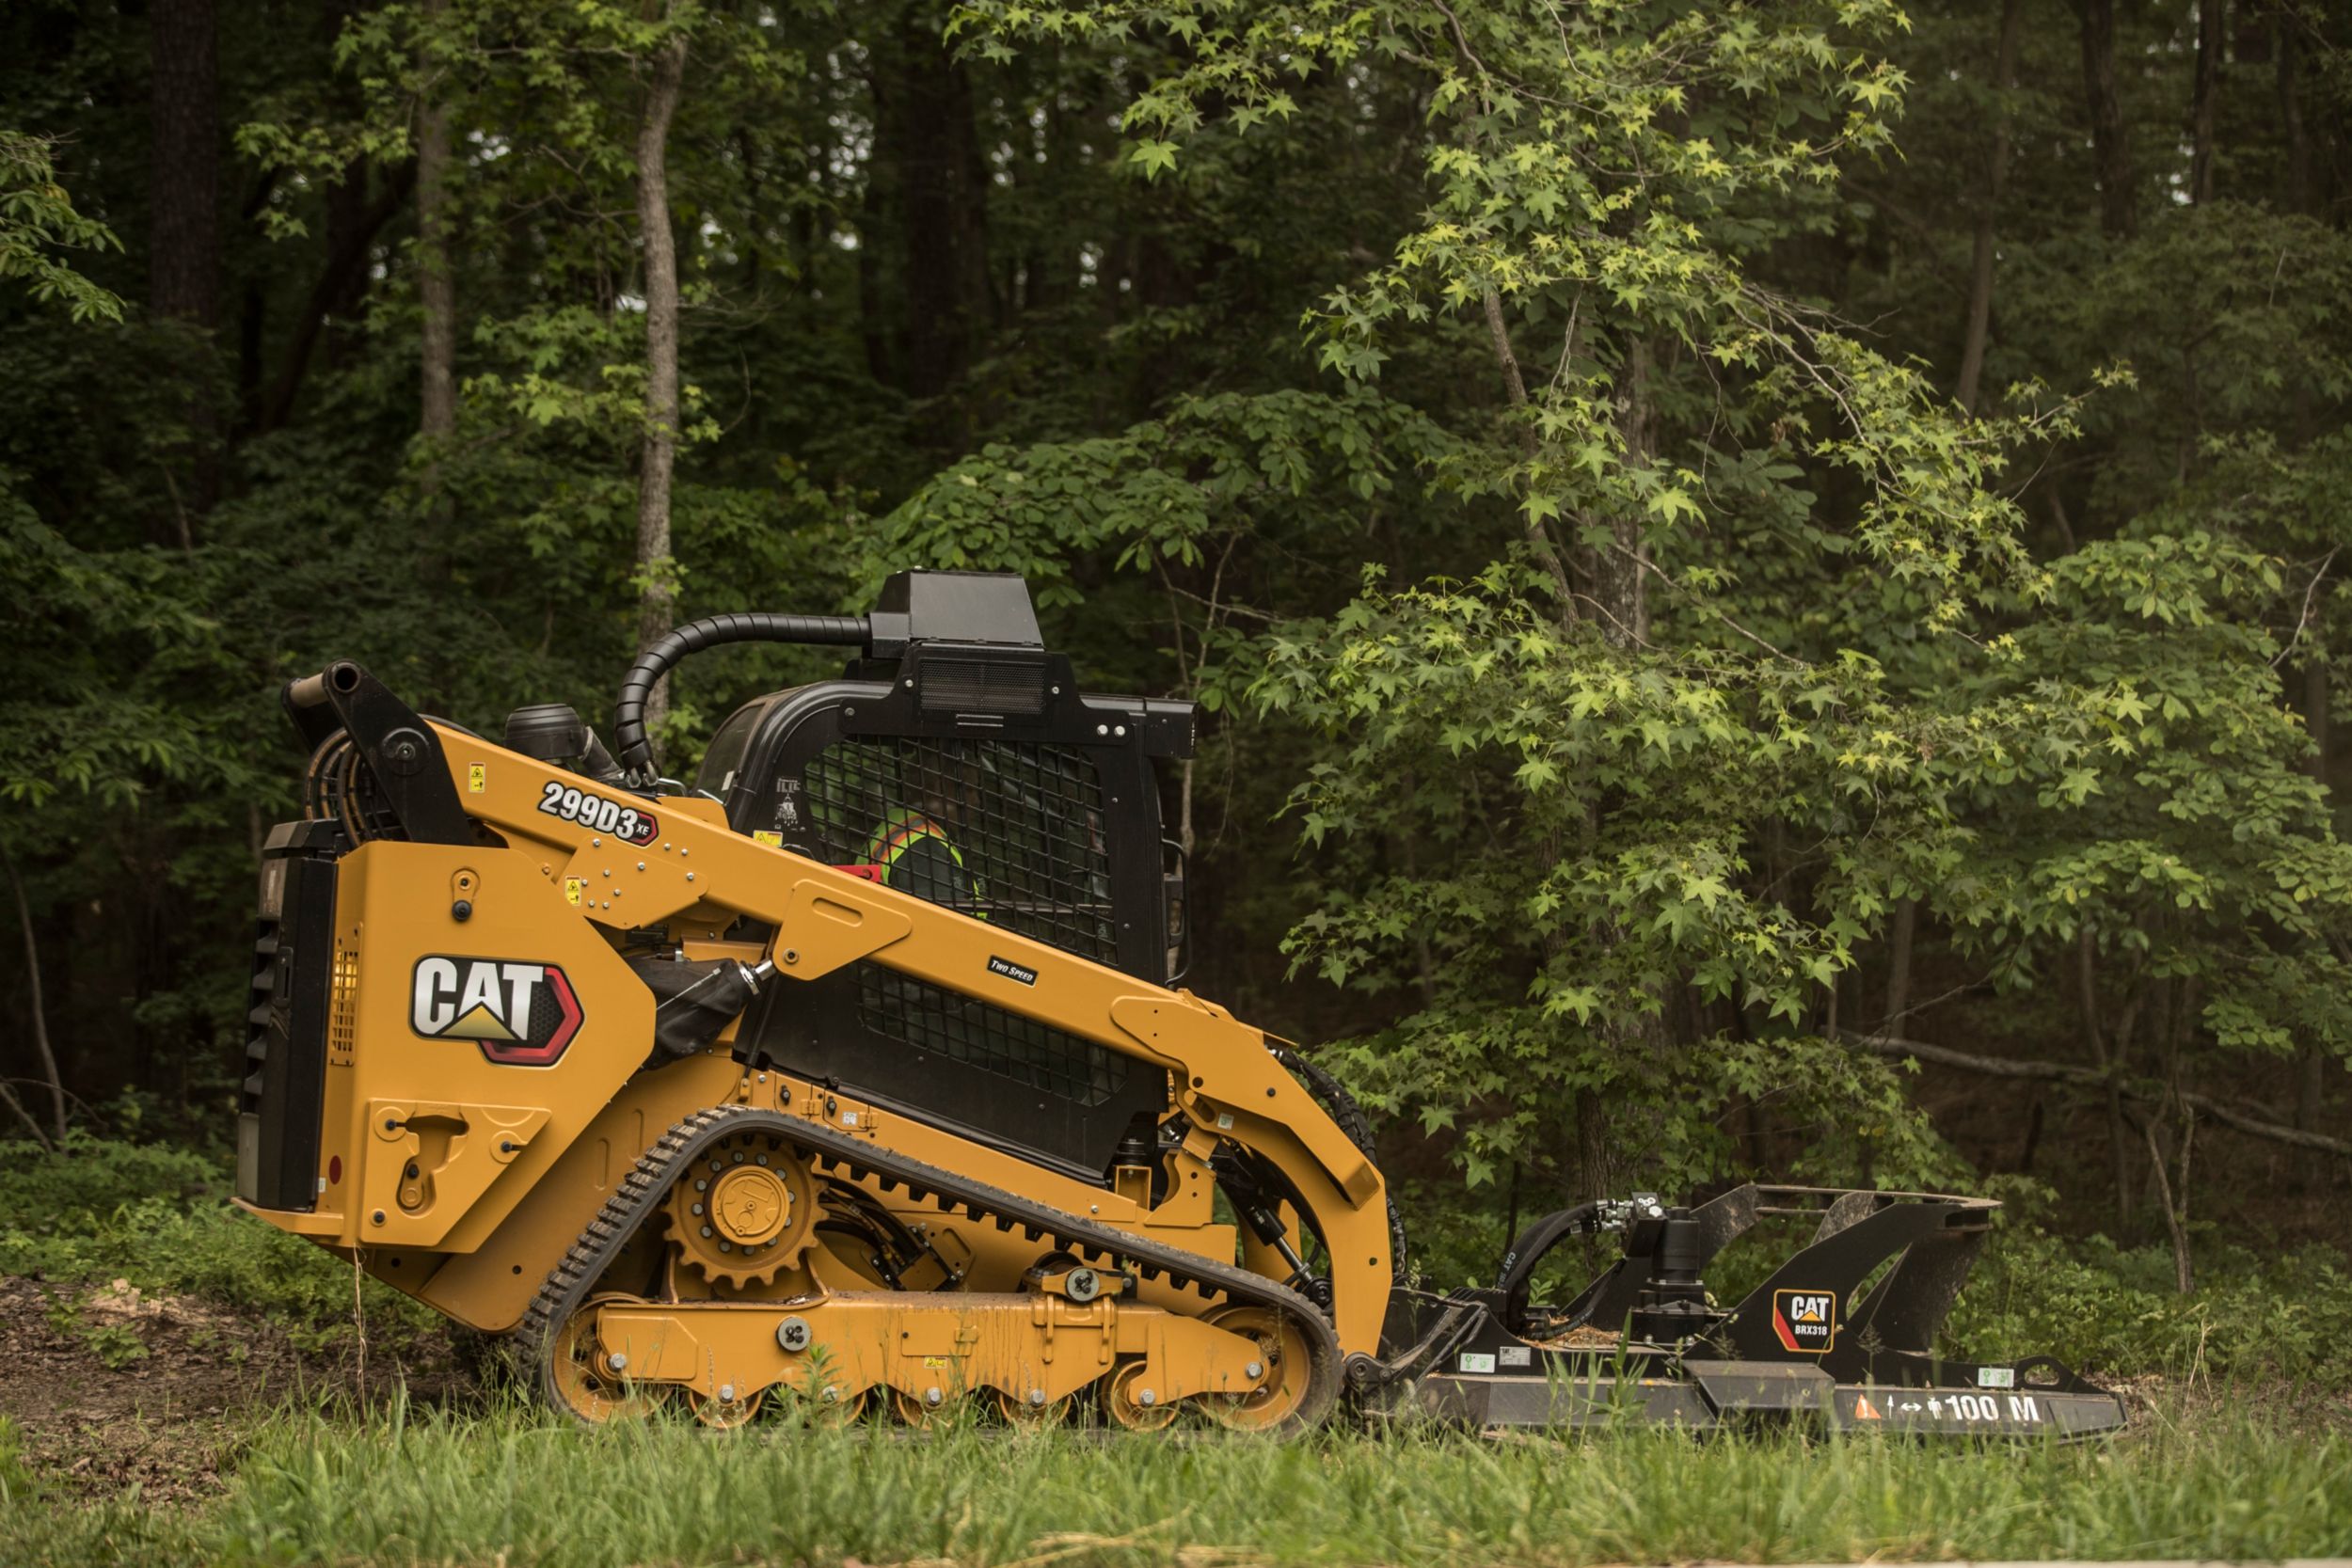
<point x="990" y="1038"/>
<point x="1024" y="821"/>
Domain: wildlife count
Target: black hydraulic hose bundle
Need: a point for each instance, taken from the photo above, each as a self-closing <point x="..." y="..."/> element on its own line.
<point x="628" y="712"/>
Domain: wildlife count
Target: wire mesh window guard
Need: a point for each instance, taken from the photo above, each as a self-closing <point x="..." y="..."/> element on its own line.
<point x="1013" y="831"/>
<point x="964" y="1029"/>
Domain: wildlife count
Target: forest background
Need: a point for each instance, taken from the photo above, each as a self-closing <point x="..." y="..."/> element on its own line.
<point x="1764" y="580"/>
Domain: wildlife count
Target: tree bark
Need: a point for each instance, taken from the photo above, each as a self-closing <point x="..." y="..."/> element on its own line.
<point x="184" y="172"/>
<point x="436" y="287"/>
<point x="1996" y="176"/>
<point x="657" y="600"/>
<point x="2175" y="1217"/>
<point x="41" y="1011"/>
<point x="1620" y="575"/>
<point x="1901" y="939"/>
<point x="2111" y="1069"/>
<point x="2311" y="1085"/>
<point x="2212" y="17"/>
<point x="925" y="145"/>
<point x="336" y="296"/>
<point x="184" y="234"/>
<point x="2289" y="53"/>
<point x="1515" y="389"/>
<point x="2110" y="147"/>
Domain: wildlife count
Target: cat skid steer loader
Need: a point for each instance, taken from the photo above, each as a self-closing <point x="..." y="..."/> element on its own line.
<point x="853" y="1076"/>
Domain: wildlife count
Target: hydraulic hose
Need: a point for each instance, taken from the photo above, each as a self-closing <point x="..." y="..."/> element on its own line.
<point x="628" y="713"/>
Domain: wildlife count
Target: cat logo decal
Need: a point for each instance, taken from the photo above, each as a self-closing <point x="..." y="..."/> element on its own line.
<point x="1805" y="1321"/>
<point x="519" y="1014"/>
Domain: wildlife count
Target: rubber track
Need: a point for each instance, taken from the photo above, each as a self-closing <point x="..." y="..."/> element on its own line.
<point x="1328" y="1092"/>
<point x="631" y="1206"/>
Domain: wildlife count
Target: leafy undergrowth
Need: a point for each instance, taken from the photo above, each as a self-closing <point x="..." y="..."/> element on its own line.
<point x="2281" y="1315"/>
<point x="418" y="1488"/>
<point x="158" y="1219"/>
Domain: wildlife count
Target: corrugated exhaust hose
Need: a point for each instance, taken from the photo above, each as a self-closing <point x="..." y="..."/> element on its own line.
<point x="628" y="713"/>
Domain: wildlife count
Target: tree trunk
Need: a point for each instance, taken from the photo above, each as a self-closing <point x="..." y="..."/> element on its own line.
<point x="436" y="288"/>
<point x="337" y="298"/>
<point x="1620" y="574"/>
<point x="1597" y="1138"/>
<point x="1996" y="176"/>
<point x="184" y="172"/>
<point x="1901" y="939"/>
<point x="40" y="1013"/>
<point x="657" y="600"/>
<point x="1515" y="389"/>
<point x="2310" y="1079"/>
<point x="2175" y="1211"/>
<point x="2289" y="52"/>
<point x="2086" y="977"/>
<point x="2110" y="148"/>
<point x="924" y="147"/>
<point x="2212" y="17"/>
<point x="183" y="235"/>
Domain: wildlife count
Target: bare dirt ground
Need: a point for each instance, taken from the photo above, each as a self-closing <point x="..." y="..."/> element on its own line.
<point x="112" y="1388"/>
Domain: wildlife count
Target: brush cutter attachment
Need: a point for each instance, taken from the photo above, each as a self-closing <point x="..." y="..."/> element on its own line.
<point x="1841" y="1333"/>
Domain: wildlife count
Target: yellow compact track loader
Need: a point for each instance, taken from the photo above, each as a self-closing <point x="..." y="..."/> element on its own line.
<point x="855" y="1070"/>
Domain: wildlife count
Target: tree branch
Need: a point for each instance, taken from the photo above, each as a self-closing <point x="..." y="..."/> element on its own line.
<point x="32" y="978"/>
<point x="2063" y="1072"/>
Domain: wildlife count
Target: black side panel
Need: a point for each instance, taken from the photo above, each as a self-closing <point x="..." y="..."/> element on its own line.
<point x="285" y="1053"/>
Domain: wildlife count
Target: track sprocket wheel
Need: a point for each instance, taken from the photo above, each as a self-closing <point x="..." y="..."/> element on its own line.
<point x="744" y="1209"/>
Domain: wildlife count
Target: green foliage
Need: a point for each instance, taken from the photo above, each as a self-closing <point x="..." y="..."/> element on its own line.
<point x="38" y="217"/>
<point x="101" y="1210"/>
<point x="2254" y="1316"/>
<point x="17" y="1486"/>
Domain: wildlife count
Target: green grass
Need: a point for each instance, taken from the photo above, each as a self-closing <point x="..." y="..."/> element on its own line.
<point x="160" y="1218"/>
<point x="412" y="1488"/>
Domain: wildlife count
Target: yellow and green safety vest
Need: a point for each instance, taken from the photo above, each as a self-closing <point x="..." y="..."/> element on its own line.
<point x="905" y="833"/>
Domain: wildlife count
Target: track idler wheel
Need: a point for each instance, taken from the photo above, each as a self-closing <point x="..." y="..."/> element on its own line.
<point x="1283" y="1351"/>
<point x="927" y="1409"/>
<point x="1032" y="1413"/>
<point x="581" y="1379"/>
<point x="720" y="1413"/>
<point x="1134" y="1404"/>
<point x="835" y="1408"/>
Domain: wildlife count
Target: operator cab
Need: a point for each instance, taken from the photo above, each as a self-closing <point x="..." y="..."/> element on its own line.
<point x="955" y="759"/>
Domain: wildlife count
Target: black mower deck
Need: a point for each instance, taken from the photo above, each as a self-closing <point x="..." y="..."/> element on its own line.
<point x="1841" y="1334"/>
<point x="1712" y="1395"/>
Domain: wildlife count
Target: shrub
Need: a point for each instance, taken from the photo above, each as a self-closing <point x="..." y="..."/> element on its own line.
<point x="160" y="1217"/>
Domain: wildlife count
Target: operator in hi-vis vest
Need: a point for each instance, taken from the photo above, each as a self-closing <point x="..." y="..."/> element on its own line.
<point x="918" y="857"/>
